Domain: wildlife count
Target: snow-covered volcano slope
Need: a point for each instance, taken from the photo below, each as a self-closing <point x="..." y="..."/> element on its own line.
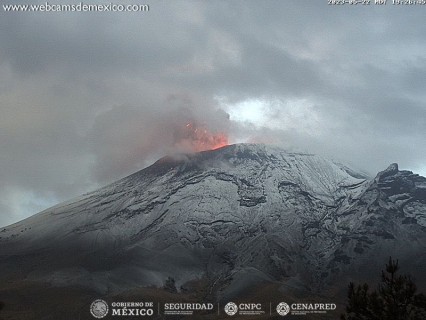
<point x="237" y="216"/>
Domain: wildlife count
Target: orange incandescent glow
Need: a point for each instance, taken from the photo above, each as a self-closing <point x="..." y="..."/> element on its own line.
<point x="202" y="139"/>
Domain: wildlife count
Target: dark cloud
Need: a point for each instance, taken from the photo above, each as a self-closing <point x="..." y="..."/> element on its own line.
<point x="87" y="98"/>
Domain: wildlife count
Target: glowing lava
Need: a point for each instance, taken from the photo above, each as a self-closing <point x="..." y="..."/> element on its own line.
<point x="200" y="138"/>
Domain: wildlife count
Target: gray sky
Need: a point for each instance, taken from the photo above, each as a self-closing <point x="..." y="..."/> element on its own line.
<point x="87" y="98"/>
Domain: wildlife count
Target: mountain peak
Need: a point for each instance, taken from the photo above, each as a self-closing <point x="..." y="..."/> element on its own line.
<point x="389" y="171"/>
<point x="393" y="168"/>
<point x="232" y="218"/>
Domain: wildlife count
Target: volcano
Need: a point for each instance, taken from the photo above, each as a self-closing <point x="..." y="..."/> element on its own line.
<point x="221" y="224"/>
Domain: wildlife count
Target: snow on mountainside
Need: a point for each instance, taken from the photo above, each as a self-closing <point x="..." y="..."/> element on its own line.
<point x="255" y="170"/>
<point x="236" y="217"/>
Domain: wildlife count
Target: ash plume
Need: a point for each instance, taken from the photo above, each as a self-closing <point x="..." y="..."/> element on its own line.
<point x="126" y="138"/>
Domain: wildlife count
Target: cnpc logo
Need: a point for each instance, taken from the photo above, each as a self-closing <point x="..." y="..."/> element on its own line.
<point x="232" y="308"/>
